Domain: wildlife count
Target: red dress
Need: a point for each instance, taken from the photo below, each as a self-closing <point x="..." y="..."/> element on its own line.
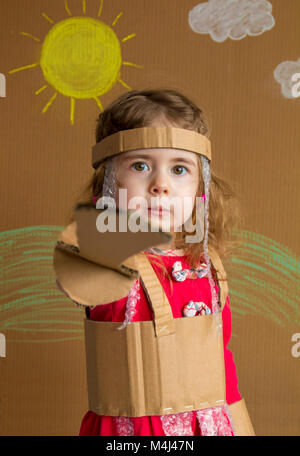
<point x="190" y="289"/>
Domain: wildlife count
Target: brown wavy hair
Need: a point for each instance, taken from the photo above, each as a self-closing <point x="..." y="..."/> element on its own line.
<point x="138" y="108"/>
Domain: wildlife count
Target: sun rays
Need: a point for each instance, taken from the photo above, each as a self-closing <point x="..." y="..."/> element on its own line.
<point x="80" y="57"/>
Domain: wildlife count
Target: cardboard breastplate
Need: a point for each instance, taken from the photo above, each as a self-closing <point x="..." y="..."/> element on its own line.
<point x="165" y="366"/>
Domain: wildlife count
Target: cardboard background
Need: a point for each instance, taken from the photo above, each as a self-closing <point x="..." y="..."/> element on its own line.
<point x="46" y="161"/>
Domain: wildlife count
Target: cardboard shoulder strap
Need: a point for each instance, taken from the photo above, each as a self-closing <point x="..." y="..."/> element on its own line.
<point x="162" y="312"/>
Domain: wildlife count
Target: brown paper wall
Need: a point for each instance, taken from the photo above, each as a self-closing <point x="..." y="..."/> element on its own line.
<point x="46" y="160"/>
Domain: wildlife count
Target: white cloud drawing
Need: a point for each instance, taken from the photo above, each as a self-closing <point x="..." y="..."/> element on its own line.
<point x="233" y="19"/>
<point x="283" y="74"/>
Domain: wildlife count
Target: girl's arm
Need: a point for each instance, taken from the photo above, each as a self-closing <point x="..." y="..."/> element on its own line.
<point x="232" y="392"/>
<point x="237" y="405"/>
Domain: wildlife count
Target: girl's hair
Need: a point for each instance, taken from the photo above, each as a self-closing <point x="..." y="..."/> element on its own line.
<point x="136" y="109"/>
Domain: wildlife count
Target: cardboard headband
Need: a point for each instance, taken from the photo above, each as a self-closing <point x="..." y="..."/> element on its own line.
<point x="148" y="138"/>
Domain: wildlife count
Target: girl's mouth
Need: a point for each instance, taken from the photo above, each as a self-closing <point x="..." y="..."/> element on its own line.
<point x="158" y="211"/>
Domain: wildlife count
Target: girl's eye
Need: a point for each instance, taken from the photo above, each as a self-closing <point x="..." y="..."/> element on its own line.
<point x="180" y="168"/>
<point x="138" y="164"/>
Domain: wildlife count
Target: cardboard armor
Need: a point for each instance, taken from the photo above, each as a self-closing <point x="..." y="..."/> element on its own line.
<point x="148" y="367"/>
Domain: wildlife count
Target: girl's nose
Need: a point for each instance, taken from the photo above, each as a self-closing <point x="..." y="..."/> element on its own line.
<point x="159" y="186"/>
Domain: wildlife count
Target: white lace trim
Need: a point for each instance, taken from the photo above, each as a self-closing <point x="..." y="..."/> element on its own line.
<point x="132" y="299"/>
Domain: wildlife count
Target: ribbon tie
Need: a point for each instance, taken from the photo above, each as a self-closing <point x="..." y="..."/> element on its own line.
<point x="180" y="274"/>
<point x="193" y="308"/>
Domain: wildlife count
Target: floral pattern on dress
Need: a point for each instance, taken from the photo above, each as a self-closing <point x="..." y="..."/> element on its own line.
<point x="214" y="421"/>
<point x="133" y="297"/>
<point x="178" y="424"/>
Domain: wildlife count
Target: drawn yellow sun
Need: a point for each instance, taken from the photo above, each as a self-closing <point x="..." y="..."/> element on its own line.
<point x="80" y="58"/>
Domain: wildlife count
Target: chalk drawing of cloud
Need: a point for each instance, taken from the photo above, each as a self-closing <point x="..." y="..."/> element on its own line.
<point x="233" y="19"/>
<point x="283" y="74"/>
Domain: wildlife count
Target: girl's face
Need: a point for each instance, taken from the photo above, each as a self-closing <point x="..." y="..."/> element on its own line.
<point x="165" y="174"/>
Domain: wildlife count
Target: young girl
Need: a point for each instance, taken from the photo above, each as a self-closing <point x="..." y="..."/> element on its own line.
<point x="181" y="267"/>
